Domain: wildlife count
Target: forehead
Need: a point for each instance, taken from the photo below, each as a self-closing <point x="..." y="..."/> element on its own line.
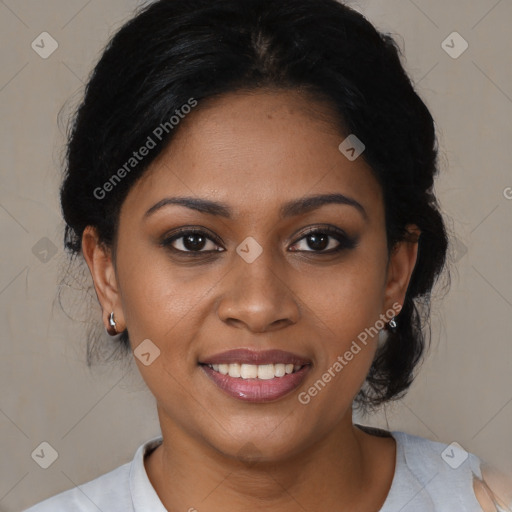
<point x="252" y="151"/>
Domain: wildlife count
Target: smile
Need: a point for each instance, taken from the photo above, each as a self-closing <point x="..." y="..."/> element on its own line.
<point x="256" y="376"/>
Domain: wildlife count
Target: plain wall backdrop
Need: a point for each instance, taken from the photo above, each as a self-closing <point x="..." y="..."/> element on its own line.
<point x="95" y="419"/>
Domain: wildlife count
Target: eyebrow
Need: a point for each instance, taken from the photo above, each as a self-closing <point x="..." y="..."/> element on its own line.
<point x="289" y="209"/>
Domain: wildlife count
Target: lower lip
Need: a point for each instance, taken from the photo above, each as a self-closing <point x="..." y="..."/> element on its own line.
<point x="257" y="390"/>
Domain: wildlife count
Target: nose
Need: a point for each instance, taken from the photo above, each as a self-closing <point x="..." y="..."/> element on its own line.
<point x="257" y="297"/>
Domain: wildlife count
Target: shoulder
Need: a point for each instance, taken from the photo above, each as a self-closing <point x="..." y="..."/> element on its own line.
<point x="451" y="476"/>
<point x="427" y="458"/>
<point x="108" y="492"/>
<point x="442" y="475"/>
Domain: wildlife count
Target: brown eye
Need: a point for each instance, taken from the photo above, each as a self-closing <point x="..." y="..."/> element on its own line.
<point x="332" y="239"/>
<point x="191" y="241"/>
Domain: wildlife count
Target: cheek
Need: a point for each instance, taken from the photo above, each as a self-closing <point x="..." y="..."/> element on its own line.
<point x="346" y="313"/>
<point x="166" y="304"/>
<point x="160" y="308"/>
<point x="150" y="294"/>
<point x="346" y="305"/>
<point x="350" y="297"/>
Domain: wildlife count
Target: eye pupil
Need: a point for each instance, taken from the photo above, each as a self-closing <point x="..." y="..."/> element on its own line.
<point x="319" y="241"/>
<point x="194" y="241"/>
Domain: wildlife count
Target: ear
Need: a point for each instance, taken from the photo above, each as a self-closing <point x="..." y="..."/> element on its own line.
<point x="100" y="264"/>
<point x="400" y="267"/>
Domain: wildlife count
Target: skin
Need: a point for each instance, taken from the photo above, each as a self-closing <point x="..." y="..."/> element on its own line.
<point x="494" y="488"/>
<point x="255" y="152"/>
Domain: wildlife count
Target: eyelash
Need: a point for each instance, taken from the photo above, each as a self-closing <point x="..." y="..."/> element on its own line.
<point x="345" y="242"/>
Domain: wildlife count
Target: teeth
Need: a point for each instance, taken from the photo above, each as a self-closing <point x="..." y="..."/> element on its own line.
<point x="254" y="371"/>
<point x="279" y="370"/>
<point x="248" y="371"/>
<point x="266" y="371"/>
<point x="234" y="370"/>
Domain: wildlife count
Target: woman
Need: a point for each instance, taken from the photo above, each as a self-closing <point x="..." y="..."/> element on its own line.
<point x="251" y="186"/>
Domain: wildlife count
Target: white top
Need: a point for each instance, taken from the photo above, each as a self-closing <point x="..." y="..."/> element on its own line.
<point x="423" y="482"/>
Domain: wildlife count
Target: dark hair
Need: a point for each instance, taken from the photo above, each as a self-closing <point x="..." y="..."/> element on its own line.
<point x="173" y="51"/>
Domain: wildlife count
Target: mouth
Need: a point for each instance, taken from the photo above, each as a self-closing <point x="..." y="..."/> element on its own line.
<point x="261" y="376"/>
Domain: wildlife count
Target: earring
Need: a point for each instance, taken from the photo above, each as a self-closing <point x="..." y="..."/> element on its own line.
<point x="392" y="325"/>
<point x="111" y="330"/>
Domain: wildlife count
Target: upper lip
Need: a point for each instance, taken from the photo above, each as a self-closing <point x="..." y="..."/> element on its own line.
<point x="257" y="357"/>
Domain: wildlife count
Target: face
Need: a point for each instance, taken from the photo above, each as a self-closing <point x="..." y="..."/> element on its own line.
<point x="265" y="279"/>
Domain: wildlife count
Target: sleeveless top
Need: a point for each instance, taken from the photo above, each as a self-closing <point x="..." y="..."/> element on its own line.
<point x="429" y="477"/>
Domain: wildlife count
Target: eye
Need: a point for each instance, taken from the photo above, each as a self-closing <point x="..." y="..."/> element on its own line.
<point x="192" y="241"/>
<point x="325" y="240"/>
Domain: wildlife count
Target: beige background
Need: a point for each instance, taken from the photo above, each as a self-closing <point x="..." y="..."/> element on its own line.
<point x="96" y="419"/>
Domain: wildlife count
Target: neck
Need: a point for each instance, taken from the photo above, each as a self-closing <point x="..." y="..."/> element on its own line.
<point x="339" y="471"/>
